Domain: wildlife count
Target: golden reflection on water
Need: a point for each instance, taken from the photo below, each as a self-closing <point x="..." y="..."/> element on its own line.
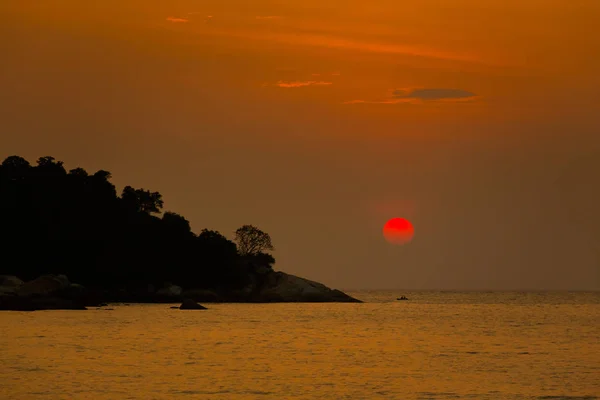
<point x="427" y="348"/>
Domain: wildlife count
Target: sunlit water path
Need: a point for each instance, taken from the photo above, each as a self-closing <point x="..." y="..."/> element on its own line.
<point x="436" y="345"/>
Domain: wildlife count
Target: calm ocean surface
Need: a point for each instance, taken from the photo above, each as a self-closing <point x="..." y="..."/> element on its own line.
<point x="438" y="345"/>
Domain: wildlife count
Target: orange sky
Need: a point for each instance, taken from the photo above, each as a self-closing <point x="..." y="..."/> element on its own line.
<point x="319" y="120"/>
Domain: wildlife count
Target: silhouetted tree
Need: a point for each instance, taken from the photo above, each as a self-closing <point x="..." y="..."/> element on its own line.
<point x="101" y="175"/>
<point x="215" y="239"/>
<point x="74" y="223"/>
<point x="78" y="172"/>
<point x="15" y="162"/>
<point x="176" y="224"/>
<point x="264" y="259"/>
<point x="251" y="240"/>
<point x="142" y="200"/>
<point x="15" y="167"/>
<point x="104" y="191"/>
<point x="49" y="166"/>
<point x="219" y="258"/>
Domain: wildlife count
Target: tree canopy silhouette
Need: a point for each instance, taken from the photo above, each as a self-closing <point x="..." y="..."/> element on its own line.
<point x="252" y="241"/>
<point x="74" y="223"/>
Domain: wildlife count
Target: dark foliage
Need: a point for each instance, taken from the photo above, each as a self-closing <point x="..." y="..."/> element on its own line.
<point x="252" y="241"/>
<point x="73" y="223"/>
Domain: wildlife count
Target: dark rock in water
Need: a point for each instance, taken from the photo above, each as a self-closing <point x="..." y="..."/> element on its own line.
<point x="282" y="287"/>
<point x="189" y="304"/>
<point x="402" y="298"/>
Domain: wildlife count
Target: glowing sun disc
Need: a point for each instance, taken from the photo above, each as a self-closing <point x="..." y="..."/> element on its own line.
<point x="398" y="231"/>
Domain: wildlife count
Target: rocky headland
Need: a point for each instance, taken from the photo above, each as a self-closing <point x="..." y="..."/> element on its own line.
<point x="56" y="292"/>
<point x="70" y="240"/>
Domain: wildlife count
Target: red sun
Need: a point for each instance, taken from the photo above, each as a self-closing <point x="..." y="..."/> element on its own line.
<point x="398" y="231"/>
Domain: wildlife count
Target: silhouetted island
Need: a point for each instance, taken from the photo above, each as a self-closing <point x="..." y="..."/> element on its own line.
<point x="60" y="227"/>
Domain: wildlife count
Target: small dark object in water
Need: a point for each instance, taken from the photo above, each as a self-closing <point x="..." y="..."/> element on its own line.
<point x="189" y="304"/>
<point x="402" y="298"/>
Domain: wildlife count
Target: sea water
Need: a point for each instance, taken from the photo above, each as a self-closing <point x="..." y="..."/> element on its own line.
<point x="436" y="345"/>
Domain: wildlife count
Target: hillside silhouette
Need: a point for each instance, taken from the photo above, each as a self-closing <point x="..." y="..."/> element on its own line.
<point x="54" y="221"/>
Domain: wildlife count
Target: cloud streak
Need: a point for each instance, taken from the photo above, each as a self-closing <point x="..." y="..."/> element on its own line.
<point x="422" y="95"/>
<point x="297" y="84"/>
<point x="432" y="94"/>
<point x="269" y="17"/>
<point x="177" y="19"/>
<point x="350" y="44"/>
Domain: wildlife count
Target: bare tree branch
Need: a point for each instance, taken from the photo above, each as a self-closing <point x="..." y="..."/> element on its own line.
<point x="251" y="240"/>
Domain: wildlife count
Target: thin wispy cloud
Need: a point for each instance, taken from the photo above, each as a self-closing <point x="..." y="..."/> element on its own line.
<point x="177" y="19"/>
<point x="207" y="18"/>
<point x="269" y="17"/>
<point x="334" y="42"/>
<point x="421" y="95"/>
<point x="432" y="94"/>
<point x="297" y="84"/>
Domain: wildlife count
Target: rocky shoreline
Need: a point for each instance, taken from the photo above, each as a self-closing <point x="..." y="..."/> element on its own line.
<point x="56" y="292"/>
